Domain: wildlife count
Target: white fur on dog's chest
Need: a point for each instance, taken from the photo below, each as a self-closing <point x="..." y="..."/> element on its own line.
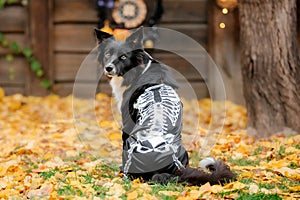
<point x="117" y="89"/>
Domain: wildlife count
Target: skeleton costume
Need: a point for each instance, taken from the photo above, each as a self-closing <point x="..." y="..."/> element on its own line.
<point x="152" y="124"/>
<point x="151" y="117"/>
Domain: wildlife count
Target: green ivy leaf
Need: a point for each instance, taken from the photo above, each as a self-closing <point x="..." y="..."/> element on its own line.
<point x="9" y="57"/>
<point x="11" y="70"/>
<point x="35" y="65"/>
<point x="2" y="2"/>
<point x="46" y="83"/>
<point x="27" y="52"/>
<point x="1" y="37"/>
<point x="11" y="77"/>
<point x="4" y="43"/>
<point x="11" y="1"/>
<point x="31" y="59"/>
<point x="14" y="47"/>
<point x="40" y="73"/>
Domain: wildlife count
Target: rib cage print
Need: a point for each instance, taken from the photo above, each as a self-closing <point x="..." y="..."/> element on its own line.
<point x="158" y="108"/>
<point x="169" y="104"/>
<point x="157" y="131"/>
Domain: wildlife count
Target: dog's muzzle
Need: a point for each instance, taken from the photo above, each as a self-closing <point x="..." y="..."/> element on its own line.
<point x="110" y="70"/>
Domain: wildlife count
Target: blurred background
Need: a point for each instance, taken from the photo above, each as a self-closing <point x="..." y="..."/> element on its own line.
<point x="43" y="42"/>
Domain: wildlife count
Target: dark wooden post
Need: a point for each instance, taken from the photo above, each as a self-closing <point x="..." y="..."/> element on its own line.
<point x="40" y="23"/>
<point x="223" y="46"/>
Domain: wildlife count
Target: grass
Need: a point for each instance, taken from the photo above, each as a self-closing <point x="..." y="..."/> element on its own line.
<point x="243" y="162"/>
<point x="108" y="170"/>
<point x="293" y="165"/>
<point x="88" y="178"/>
<point x="164" y="197"/>
<point x="156" y="188"/>
<point x="169" y="187"/>
<point x="102" y="171"/>
<point x="224" y="194"/>
<point x="281" y="151"/>
<point x="258" y="150"/>
<point x="49" y="174"/>
<point x="109" y="167"/>
<point x="126" y="184"/>
<point x="69" y="190"/>
<point x="31" y="164"/>
<point x="100" y="191"/>
<point x="77" y="157"/>
<point x="259" y="196"/>
<point x="286" y="181"/>
<point x="246" y="181"/>
<point x="267" y="185"/>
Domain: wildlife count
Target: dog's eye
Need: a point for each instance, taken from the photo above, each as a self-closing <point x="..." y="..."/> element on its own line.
<point x="107" y="55"/>
<point x="123" y="57"/>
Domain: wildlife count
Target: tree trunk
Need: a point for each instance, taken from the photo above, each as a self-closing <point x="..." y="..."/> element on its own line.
<point x="270" y="65"/>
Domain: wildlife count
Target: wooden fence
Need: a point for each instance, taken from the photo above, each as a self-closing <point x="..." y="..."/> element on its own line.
<point x="60" y="32"/>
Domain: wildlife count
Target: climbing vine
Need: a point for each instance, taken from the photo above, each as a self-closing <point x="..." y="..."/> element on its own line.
<point x="16" y="50"/>
<point x="4" y="2"/>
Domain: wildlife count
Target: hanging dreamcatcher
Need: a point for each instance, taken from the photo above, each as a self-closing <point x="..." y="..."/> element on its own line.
<point x="117" y="16"/>
<point x="130" y="12"/>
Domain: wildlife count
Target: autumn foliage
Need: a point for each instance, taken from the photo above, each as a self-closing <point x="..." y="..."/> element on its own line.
<point x="46" y="153"/>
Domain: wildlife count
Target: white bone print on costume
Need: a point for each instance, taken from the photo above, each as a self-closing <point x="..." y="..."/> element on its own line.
<point x="169" y="104"/>
<point x="158" y="126"/>
<point x="158" y="112"/>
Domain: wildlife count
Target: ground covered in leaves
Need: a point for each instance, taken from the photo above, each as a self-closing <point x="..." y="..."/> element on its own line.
<point x="48" y="152"/>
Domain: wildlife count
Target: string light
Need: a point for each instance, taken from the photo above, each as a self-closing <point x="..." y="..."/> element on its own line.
<point x="222" y="25"/>
<point x="225" y="11"/>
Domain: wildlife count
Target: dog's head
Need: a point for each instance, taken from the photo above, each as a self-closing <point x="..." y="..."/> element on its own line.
<point x="118" y="57"/>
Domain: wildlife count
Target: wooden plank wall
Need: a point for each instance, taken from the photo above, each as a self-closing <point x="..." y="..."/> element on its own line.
<point x="14" y="25"/>
<point x="60" y="32"/>
<point x="73" y="39"/>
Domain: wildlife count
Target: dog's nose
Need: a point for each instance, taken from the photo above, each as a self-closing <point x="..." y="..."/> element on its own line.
<point x="108" y="68"/>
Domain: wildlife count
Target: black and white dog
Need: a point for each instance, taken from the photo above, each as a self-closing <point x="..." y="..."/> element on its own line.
<point x="151" y="115"/>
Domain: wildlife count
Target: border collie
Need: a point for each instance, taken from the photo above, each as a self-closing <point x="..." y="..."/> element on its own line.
<point x="151" y="115"/>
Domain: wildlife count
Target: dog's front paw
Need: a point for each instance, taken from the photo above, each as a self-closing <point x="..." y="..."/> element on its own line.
<point x="164" y="178"/>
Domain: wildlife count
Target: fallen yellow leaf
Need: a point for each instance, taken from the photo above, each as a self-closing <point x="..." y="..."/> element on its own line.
<point x="7" y="193"/>
<point x="43" y="192"/>
<point x="234" y="186"/>
<point x="290" y="173"/>
<point x="205" y="188"/>
<point x="246" y="175"/>
<point x="3" y="169"/>
<point x="295" y="188"/>
<point x="253" y="188"/>
<point x="3" y="184"/>
<point x="169" y="193"/>
<point x="195" y="194"/>
<point x="132" y="195"/>
<point x="2" y="93"/>
<point x="115" y="136"/>
<point x="216" y="189"/>
<point x="147" y="196"/>
<point x="116" y="190"/>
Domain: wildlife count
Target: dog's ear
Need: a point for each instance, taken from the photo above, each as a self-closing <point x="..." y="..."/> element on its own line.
<point x="135" y="40"/>
<point x="101" y="35"/>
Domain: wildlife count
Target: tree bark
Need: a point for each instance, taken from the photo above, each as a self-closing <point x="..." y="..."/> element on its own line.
<point x="270" y="65"/>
